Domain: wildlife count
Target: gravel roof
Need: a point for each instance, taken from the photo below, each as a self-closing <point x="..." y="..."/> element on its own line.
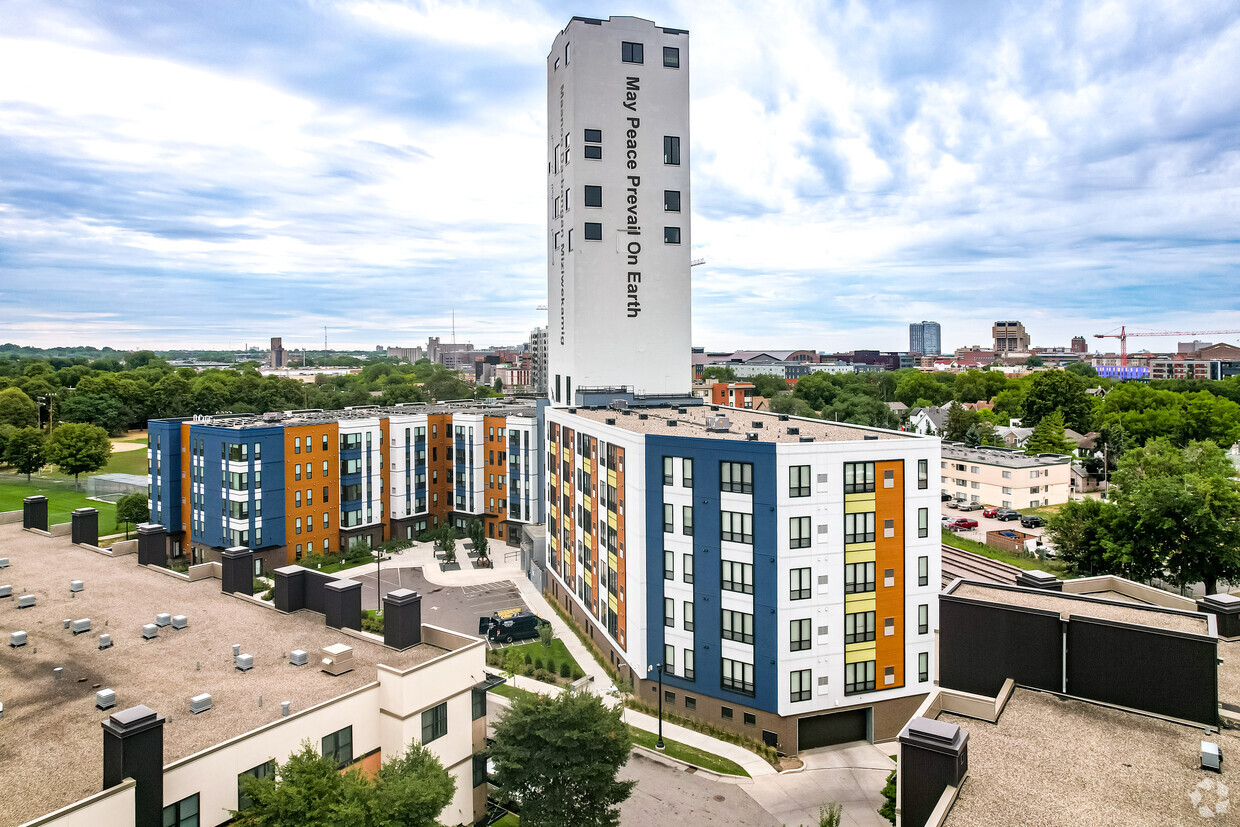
<point x="51" y="744"/>
<point x="1051" y="762"/>
<point x="692" y="423"/>
<point x="1086" y="607"/>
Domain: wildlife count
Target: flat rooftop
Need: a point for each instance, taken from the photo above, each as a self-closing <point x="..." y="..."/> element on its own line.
<point x="694" y="420"/>
<point x="320" y="417"/>
<point x="1067" y="605"/>
<point x="1053" y="762"/>
<point x="51" y="744"/>
<point x="998" y="456"/>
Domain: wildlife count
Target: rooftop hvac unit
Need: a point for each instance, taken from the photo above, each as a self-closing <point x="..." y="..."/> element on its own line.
<point x="105" y="699"/>
<point x="793" y="430"/>
<point x="17" y="639"/>
<point x="718" y="423"/>
<point x="757" y="423"/>
<point x="643" y="416"/>
<point x="1211" y="757"/>
<point x="200" y="703"/>
<point x="6" y="591"/>
<point x="611" y="420"/>
<point x="244" y="662"/>
<point x="26" y="601"/>
<point x="179" y="621"/>
<point x="76" y="585"/>
<point x="80" y="626"/>
<point x="4" y="562"/>
<point x="298" y="657"/>
<point x="150" y="630"/>
<point x="105" y="641"/>
<point x="807" y="439"/>
<point x="163" y="619"/>
<point x="337" y="659"/>
<point x="671" y="423"/>
<point x="752" y="436"/>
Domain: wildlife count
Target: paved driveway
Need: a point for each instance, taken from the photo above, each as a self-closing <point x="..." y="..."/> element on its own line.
<point x="452" y="607"/>
<point x="851" y="774"/>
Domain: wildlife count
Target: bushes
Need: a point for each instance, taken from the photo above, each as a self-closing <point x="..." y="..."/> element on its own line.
<point x="372" y="622"/>
<point x="565" y="670"/>
<point x="623" y="686"/>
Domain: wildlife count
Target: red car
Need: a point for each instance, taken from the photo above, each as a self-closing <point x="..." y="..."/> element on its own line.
<point x="990" y="511"/>
<point x="961" y="523"/>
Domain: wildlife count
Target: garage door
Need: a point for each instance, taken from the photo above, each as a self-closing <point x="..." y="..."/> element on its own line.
<point x="836" y="728"/>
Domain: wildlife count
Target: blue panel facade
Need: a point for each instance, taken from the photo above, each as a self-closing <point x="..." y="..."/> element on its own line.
<point x="706" y="455"/>
<point x="264" y="461"/>
<point x="164" y="472"/>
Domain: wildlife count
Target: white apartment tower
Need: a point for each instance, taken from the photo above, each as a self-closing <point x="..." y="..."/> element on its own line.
<point x="618" y="280"/>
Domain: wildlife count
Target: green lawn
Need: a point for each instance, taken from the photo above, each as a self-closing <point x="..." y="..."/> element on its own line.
<point x="509" y="820"/>
<point x="951" y="538"/>
<point x="511" y="692"/>
<point x="688" y="754"/>
<point x="119" y="462"/>
<point x="61" y="501"/>
<point x="551" y="656"/>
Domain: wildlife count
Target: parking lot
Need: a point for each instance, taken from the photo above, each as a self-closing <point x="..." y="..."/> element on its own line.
<point x="452" y="607"/>
<point x="985" y="524"/>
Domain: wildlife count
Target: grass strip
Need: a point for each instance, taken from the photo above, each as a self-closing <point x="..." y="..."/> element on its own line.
<point x="688" y="754"/>
<point x="951" y="538"/>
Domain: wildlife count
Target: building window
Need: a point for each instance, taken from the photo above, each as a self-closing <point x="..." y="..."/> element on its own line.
<point x="858" y="578"/>
<point x="799" y="635"/>
<point x="570" y="239"/>
<point x="798" y="481"/>
<point x="594" y="196"/>
<point x="686" y="527"/>
<point x="669" y="612"/>
<point x="688" y="670"/>
<point x="671" y="57"/>
<point x="798" y="532"/>
<point x="923" y="473"/>
<point x="671" y="235"/>
<point x="750" y="719"/>
<point x="738" y="677"/>
<point x="668" y="519"/>
<point x="669" y="565"/>
<point x="736" y="477"/>
<point x="264" y="770"/>
<point x="737" y="626"/>
<point x="671" y="200"/>
<point x="671" y="150"/>
<point x="858" y="627"/>
<point x="594" y="136"/>
<point x="799" y="584"/>
<point x="631" y="52"/>
<point x="686" y="472"/>
<point x="339" y="746"/>
<point x="690" y="702"/>
<point x="736" y="527"/>
<point x="923" y="667"/>
<point x="858" y="677"/>
<point x="923" y="619"/>
<point x="479" y="703"/>
<point x="668" y="465"/>
<point x="594" y="231"/>
<point x="687" y="571"/>
<point x="923" y="571"/>
<point x="184" y="813"/>
<point x="1007" y="475"/>
<point x="435" y="723"/>
<point x="858" y="478"/>
<point x="480" y="769"/>
<point x="594" y="152"/>
<point x="725" y="712"/>
<point x="799" y="683"/>
<point x="688" y="615"/>
<point x="296" y="445"/>
<point x="923" y="522"/>
<point x="859" y="527"/>
<point x="737" y="577"/>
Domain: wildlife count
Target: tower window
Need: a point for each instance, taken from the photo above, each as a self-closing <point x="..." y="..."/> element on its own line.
<point x="594" y="231"/>
<point x="671" y="150"/>
<point x="594" y="196"/>
<point x="671" y="235"/>
<point x="594" y="136"/>
<point x="671" y="200"/>
<point x="671" y="57"/>
<point x="631" y="52"/>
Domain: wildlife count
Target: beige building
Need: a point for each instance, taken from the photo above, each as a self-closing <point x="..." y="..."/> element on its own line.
<point x="1010" y="337"/>
<point x="1003" y="477"/>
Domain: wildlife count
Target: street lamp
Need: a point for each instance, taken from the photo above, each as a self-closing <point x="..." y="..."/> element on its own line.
<point x="659" y="743"/>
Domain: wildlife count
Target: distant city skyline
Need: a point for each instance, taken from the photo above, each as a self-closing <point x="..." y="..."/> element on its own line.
<point x="208" y="175"/>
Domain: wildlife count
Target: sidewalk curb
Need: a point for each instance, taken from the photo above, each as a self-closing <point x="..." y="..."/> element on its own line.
<point x="667" y="760"/>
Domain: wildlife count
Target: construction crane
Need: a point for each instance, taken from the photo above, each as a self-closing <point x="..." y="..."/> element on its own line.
<point x="1124" y="334"/>
<point x="697" y="261"/>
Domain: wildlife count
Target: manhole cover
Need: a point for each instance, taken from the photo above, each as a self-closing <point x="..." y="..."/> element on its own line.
<point x="687" y="769"/>
<point x="719" y="798"/>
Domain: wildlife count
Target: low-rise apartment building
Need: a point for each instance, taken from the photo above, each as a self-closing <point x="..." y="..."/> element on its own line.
<point x="1004" y="477"/>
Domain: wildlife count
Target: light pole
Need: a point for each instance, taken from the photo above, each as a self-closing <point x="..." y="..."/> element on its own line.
<point x="659" y="743"/>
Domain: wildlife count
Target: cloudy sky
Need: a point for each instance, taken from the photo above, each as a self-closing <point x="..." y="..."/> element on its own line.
<point x="206" y="174"/>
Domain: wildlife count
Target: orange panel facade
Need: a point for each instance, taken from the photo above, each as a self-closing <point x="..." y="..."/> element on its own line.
<point x="889" y="556"/>
<point x="311" y="490"/>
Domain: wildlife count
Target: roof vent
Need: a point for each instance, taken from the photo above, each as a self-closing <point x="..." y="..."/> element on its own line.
<point x="298" y="657"/>
<point x="1211" y="757"/>
<point x="643" y="416"/>
<point x="793" y="430"/>
<point x="236" y="650"/>
<point x="105" y="641"/>
<point x="6" y="591"/>
<point x="337" y="659"/>
<point x="17" y="639"/>
<point x="67" y="622"/>
<point x="163" y="619"/>
<point x="80" y="626"/>
<point x="757" y="423"/>
<point x="671" y="423"/>
<point x="26" y="601"/>
<point x="807" y="439"/>
<point x="871" y="436"/>
<point x="179" y="621"/>
<point x="200" y="703"/>
<point x="150" y="630"/>
<point x="611" y="420"/>
<point x="625" y="412"/>
<point x="752" y="436"/>
<point x="76" y="585"/>
<point x="682" y="410"/>
<point x="244" y="662"/>
<point x="105" y="699"/>
<point x="4" y="562"/>
<point x="783" y="417"/>
<point x="572" y="410"/>
<point x="284" y="705"/>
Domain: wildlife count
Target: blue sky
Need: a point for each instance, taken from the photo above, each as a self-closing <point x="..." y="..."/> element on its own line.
<point x="208" y="174"/>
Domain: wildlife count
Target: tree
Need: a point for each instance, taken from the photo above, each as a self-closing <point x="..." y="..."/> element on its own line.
<point x="888" y="810"/>
<point x="1057" y="390"/>
<point x="789" y="404"/>
<point x="76" y="448"/>
<point x="410" y="789"/>
<point x="1034" y="361"/>
<point x="499" y="384"/>
<point x="18" y="409"/>
<point x="719" y="374"/>
<point x="132" y="508"/>
<point x="26" y="451"/>
<point x="861" y="410"/>
<point x="970" y="386"/>
<point x="915" y="385"/>
<point x="768" y="386"/>
<point x="97" y="409"/>
<point x="958" y="422"/>
<point x="1083" y="369"/>
<point x="559" y="757"/>
<point x="1048" y="437"/>
<point x="447" y="542"/>
<point x="1080" y="531"/>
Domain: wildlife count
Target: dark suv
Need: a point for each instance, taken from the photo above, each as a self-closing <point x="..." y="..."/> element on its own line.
<point x="1005" y="514"/>
<point x="1032" y="521"/>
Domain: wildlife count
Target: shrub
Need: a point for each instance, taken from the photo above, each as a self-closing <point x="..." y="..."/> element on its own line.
<point x="372" y="624"/>
<point x="538" y="664"/>
<point x="543" y="675"/>
<point x="270" y="594"/>
<point x="528" y="670"/>
<point x="494" y="658"/>
<point x="260" y="586"/>
<point x="578" y="674"/>
<point x="565" y="669"/>
<point x="528" y="660"/>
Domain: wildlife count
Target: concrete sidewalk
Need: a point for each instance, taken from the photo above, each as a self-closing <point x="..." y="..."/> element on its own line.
<point x="754" y="764"/>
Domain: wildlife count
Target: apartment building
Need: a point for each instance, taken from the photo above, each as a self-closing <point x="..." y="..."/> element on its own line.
<point x="288" y="484"/>
<point x="1004" y="477"/>
<point x="925" y="338"/>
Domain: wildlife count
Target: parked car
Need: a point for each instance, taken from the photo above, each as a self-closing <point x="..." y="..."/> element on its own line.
<point x="946" y="518"/>
<point x="508" y="625"/>
<point x="961" y="524"/>
<point x="990" y="511"/>
<point x="971" y="506"/>
<point x="1005" y="514"/>
<point x="955" y="503"/>
<point x="1032" y="521"/>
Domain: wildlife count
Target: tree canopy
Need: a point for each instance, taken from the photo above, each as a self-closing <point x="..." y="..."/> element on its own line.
<point x="18" y="409"/>
<point x="1057" y="390"/>
<point x="77" y="448"/>
<point x="25" y="450"/>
